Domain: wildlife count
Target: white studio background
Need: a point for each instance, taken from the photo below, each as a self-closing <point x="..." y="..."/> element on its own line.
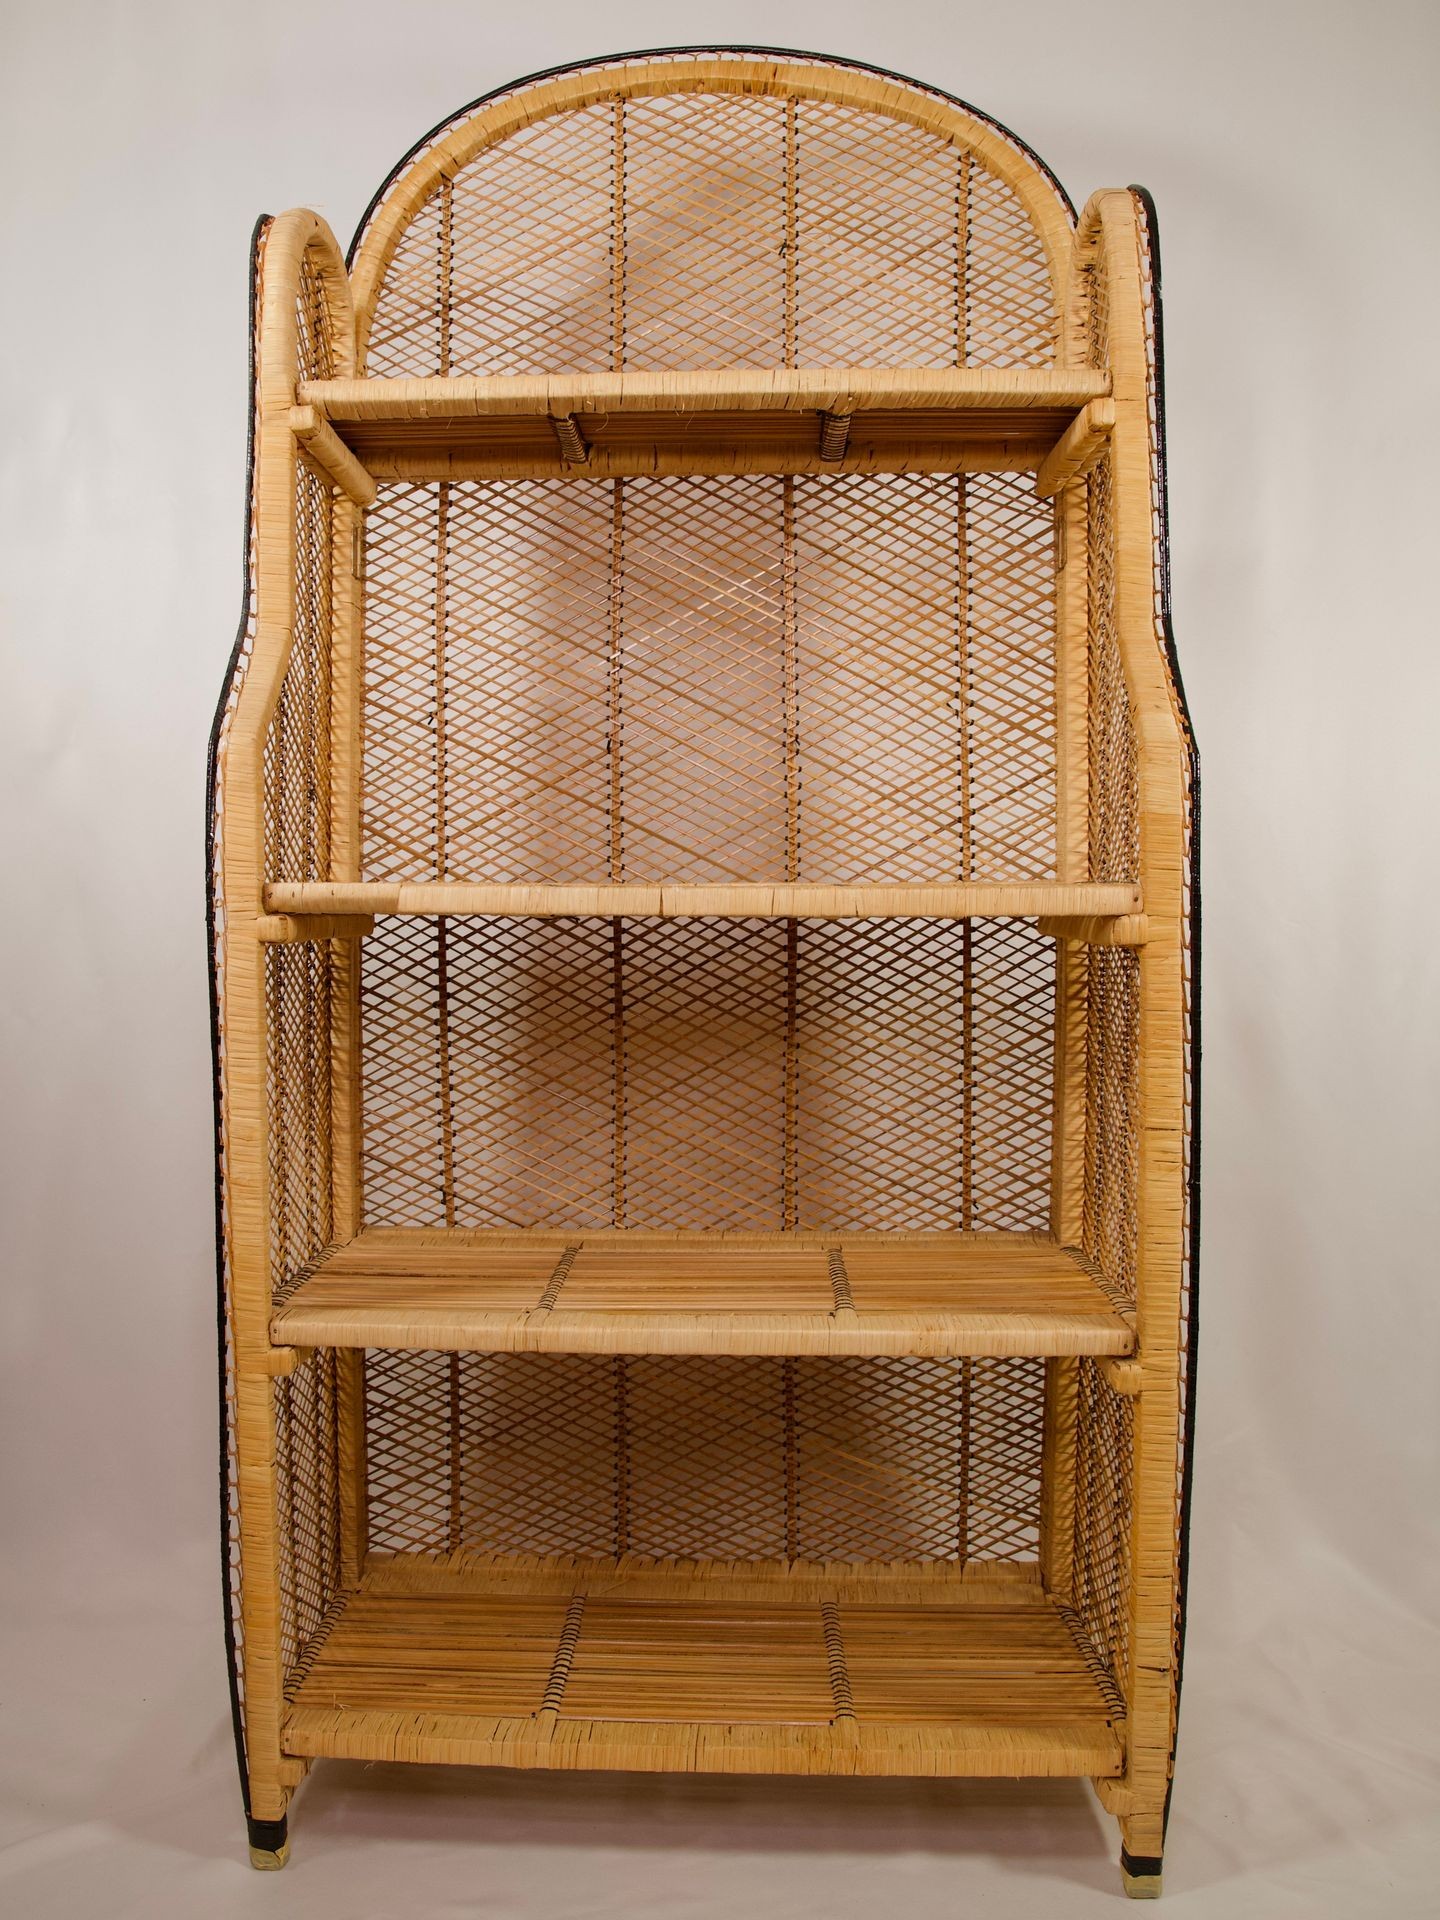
<point x="1292" y="150"/>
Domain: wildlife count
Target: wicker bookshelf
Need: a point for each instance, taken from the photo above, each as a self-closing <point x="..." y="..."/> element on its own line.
<point x="702" y="906"/>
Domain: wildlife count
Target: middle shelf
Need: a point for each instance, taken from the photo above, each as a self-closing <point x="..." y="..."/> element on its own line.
<point x="1108" y="913"/>
<point x="993" y="1294"/>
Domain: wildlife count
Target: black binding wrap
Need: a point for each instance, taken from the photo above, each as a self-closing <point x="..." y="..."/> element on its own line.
<point x="211" y="856"/>
<point x="696" y="53"/>
<point x="1139" y="1866"/>
<point x="266" y="1836"/>
<point x="1162" y="537"/>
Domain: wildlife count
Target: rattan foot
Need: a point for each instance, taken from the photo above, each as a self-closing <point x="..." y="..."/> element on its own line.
<point x="1140" y="1875"/>
<point x="269" y="1844"/>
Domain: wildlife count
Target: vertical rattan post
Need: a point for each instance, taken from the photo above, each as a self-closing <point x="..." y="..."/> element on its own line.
<point x="242" y="968"/>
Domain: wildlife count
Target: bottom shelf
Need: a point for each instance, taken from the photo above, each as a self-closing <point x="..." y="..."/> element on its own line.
<point x="722" y="1668"/>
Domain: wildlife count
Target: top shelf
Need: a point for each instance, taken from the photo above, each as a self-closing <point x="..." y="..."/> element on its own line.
<point x="755" y="420"/>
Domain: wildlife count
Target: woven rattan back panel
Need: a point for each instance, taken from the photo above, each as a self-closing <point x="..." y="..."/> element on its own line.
<point x="696" y="229"/>
<point x="757" y="1075"/>
<point x="704" y="1458"/>
<point x="838" y="678"/>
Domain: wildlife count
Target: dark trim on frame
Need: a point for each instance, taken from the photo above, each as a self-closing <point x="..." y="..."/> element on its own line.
<point x="1162" y="534"/>
<point x="267" y="1836"/>
<point x="232" y="672"/>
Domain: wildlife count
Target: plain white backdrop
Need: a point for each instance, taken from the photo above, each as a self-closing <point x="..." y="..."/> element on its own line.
<point x="1294" y="152"/>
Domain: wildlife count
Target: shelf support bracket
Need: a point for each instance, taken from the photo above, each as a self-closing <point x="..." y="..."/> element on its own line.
<point x="288" y="929"/>
<point x="1077" y="449"/>
<point x="1098" y="930"/>
<point x="281" y="1362"/>
<point x="326" y="450"/>
<point x="1125" y="1377"/>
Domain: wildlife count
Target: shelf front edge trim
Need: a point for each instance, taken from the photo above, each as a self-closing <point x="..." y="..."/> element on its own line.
<point x="1092" y="901"/>
<point x="724" y="390"/>
<point x="935" y="1335"/>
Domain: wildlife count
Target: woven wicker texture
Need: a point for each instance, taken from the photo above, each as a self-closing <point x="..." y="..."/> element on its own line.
<point x="308" y="1507"/>
<point x="702" y="230"/>
<point x="1105" y="1430"/>
<point x="299" y="985"/>
<point x="708" y="1073"/>
<point x="830" y="679"/>
<point x="1112" y="1055"/>
<point x="707" y="1459"/>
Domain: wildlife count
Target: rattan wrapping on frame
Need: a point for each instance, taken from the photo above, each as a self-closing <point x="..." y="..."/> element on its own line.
<point x="215" y="928"/>
<point x="708" y="230"/>
<point x="1190" y="949"/>
<point x="704" y="1458"/>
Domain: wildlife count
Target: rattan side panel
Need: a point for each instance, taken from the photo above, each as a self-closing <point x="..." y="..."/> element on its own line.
<point x="1165" y="639"/>
<point x="1105" y="1429"/>
<point x="1114" y="771"/>
<point x="704" y="1458"/>
<point x="1112" y="1068"/>
<point x="300" y="985"/>
<point x="308" y="1504"/>
<point x="297" y="749"/>
<point x="703" y="229"/>
<point x="298" y="803"/>
<point x="707" y="1073"/>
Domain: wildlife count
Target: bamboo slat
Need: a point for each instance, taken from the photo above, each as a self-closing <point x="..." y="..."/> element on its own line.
<point x="718" y="1669"/>
<point x="986" y="1294"/>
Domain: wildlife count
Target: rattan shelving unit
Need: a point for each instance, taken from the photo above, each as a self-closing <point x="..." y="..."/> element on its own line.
<point x="702" y="907"/>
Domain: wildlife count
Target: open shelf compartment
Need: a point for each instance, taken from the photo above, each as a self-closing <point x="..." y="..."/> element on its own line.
<point x="716" y="1668"/>
<point x="629" y="1292"/>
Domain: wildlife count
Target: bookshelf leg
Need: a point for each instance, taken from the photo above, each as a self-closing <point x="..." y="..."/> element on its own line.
<point x="1142" y="1846"/>
<point x="269" y="1843"/>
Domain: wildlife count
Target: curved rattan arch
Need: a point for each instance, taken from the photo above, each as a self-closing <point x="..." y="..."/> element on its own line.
<point x="509" y="87"/>
<point x="785" y="77"/>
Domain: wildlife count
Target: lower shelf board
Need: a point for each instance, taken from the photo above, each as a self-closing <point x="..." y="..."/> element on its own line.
<point x="983" y="1294"/>
<point x="691" y="1667"/>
